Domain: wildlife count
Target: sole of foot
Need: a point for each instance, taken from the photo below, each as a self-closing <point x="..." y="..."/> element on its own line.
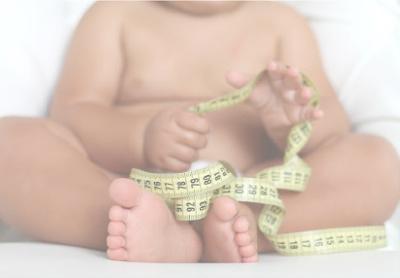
<point x="230" y="233"/>
<point x="143" y="229"/>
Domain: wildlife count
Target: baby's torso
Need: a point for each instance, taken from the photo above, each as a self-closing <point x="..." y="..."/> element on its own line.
<point x="173" y="58"/>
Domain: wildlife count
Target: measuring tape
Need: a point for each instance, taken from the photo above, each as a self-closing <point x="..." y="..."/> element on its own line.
<point x="191" y="193"/>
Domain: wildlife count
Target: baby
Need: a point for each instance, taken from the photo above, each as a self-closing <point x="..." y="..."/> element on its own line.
<point x="131" y="72"/>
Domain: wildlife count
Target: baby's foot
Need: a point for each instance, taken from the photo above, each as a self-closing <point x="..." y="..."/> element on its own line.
<point x="143" y="229"/>
<point x="230" y="232"/>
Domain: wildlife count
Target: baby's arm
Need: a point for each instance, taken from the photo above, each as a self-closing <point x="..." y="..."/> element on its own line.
<point x="88" y="87"/>
<point x="86" y="96"/>
<point x="300" y="49"/>
<point x="280" y="96"/>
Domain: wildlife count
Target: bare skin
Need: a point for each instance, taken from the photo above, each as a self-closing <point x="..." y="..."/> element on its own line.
<point x="168" y="138"/>
<point x="129" y="238"/>
<point x="131" y="71"/>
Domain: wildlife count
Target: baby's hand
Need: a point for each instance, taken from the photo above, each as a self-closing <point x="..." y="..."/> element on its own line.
<point x="173" y="139"/>
<point x="280" y="96"/>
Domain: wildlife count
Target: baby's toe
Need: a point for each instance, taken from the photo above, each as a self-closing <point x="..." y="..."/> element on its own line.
<point x="115" y="242"/>
<point x="116" y="228"/>
<point x="247" y="251"/>
<point x="119" y="254"/>
<point x="243" y="239"/>
<point x="241" y="225"/>
<point x="118" y="213"/>
<point x="252" y="259"/>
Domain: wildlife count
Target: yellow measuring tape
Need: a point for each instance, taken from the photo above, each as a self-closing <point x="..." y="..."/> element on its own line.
<point x="191" y="193"/>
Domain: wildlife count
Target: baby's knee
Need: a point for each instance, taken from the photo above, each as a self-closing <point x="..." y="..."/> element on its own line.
<point x="17" y="140"/>
<point x="386" y="169"/>
<point x="17" y="130"/>
<point x="19" y="134"/>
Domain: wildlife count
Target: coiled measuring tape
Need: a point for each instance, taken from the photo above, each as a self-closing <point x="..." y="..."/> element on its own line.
<point x="191" y="193"/>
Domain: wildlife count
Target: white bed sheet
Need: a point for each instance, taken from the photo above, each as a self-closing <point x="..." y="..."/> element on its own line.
<point x="20" y="260"/>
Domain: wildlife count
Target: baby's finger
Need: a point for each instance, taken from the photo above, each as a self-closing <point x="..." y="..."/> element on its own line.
<point x="193" y="122"/>
<point x="311" y="114"/>
<point x="303" y="96"/>
<point x="292" y="78"/>
<point x="192" y="139"/>
<point x="274" y="71"/>
<point x="276" y="74"/>
<point x="185" y="153"/>
<point x="317" y="114"/>
<point x="172" y="164"/>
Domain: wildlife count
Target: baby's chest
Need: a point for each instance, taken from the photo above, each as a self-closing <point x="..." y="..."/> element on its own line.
<point x="191" y="65"/>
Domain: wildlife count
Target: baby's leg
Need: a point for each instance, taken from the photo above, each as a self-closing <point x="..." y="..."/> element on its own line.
<point x="51" y="191"/>
<point x="49" y="188"/>
<point x="355" y="182"/>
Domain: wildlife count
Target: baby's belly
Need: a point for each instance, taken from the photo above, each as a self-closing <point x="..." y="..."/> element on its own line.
<point x="237" y="137"/>
<point x="236" y="134"/>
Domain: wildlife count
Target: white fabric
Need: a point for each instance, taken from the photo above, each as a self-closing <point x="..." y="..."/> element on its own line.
<point x="360" y="42"/>
<point x="48" y="261"/>
<point x="33" y="39"/>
